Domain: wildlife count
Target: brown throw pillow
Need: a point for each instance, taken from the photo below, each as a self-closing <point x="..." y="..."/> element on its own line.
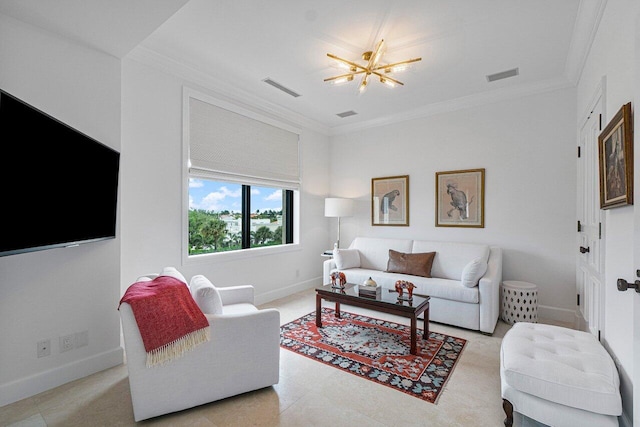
<point x="414" y="264"/>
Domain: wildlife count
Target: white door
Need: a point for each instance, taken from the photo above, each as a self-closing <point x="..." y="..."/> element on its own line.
<point x="636" y="240"/>
<point x="635" y="325"/>
<point x="589" y="247"/>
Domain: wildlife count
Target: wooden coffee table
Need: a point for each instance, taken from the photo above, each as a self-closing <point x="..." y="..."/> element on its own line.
<point x="386" y="302"/>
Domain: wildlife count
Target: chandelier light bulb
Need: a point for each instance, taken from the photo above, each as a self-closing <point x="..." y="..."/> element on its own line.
<point x="387" y="82"/>
<point x="343" y="79"/>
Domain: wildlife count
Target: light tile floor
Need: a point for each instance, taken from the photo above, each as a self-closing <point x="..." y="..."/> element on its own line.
<point x="308" y="394"/>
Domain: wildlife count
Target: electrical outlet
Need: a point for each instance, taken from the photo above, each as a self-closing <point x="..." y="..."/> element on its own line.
<point x="44" y="348"/>
<point x="66" y="343"/>
<point x="82" y="339"/>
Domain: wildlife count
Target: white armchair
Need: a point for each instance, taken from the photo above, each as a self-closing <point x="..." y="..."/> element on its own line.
<point x="243" y="354"/>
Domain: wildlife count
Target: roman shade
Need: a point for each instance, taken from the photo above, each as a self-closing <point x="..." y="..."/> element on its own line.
<point x="229" y="146"/>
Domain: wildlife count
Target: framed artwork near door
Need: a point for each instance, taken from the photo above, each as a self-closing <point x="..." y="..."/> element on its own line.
<point x="460" y="198"/>
<point x="615" y="152"/>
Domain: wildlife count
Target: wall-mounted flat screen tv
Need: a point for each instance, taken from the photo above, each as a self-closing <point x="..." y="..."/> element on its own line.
<point x="59" y="187"/>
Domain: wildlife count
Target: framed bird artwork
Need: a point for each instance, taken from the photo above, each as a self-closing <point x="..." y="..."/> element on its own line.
<point x="390" y="200"/>
<point x="460" y="198"/>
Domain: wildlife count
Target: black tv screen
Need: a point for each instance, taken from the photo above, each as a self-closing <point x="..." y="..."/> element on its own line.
<point x="59" y="186"/>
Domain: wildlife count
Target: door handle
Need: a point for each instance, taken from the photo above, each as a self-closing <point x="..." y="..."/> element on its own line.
<point x="584" y="250"/>
<point x="623" y="285"/>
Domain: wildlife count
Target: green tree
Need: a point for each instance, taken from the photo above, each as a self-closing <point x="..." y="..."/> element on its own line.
<point x="277" y="236"/>
<point x="197" y="219"/>
<point x="234" y="240"/>
<point x="262" y="235"/>
<point x="214" y="231"/>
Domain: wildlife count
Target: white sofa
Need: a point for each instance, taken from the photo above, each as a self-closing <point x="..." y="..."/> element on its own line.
<point x="457" y="297"/>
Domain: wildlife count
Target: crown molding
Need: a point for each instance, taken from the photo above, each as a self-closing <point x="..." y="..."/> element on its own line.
<point x="585" y="29"/>
<point x="247" y="100"/>
<point x="475" y="100"/>
<point x="223" y="89"/>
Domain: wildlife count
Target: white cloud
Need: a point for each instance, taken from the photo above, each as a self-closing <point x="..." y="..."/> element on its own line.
<point x="215" y="200"/>
<point x="276" y="195"/>
<point x="195" y="183"/>
<point x="255" y="191"/>
<point x="229" y="193"/>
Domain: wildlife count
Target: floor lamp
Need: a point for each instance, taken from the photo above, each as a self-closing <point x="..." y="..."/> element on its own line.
<point x="335" y="207"/>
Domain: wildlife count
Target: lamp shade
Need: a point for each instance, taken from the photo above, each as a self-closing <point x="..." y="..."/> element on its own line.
<point x="338" y="207"/>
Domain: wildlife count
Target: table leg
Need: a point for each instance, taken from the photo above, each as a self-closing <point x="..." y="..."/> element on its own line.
<point x="414" y="327"/>
<point x="337" y="309"/>
<point x="425" y="333"/>
<point x="318" y="311"/>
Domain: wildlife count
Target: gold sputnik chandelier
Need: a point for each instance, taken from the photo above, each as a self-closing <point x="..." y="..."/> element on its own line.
<point x="373" y="66"/>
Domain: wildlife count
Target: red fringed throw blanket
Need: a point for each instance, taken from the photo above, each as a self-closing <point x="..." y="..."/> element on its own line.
<point x="169" y="320"/>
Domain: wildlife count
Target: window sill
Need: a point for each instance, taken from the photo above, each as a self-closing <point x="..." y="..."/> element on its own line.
<point x="240" y="254"/>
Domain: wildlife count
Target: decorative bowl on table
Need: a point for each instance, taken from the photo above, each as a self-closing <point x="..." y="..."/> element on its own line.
<point x="370" y="282"/>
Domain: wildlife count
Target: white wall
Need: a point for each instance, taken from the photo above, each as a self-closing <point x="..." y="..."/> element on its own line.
<point x="528" y="148"/>
<point x="47" y="294"/>
<point x="152" y="202"/>
<point x="612" y="56"/>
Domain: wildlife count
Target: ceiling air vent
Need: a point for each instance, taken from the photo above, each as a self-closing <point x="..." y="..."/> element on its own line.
<point x="282" y="88"/>
<point x="503" y="75"/>
<point x="346" y="114"/>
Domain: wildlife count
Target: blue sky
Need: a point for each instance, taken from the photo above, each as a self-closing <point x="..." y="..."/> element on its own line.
<point x="220" y="196"/>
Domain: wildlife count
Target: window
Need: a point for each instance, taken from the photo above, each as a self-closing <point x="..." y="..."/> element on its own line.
<point x="243" y="176"/>
<point x="225" y="216"/>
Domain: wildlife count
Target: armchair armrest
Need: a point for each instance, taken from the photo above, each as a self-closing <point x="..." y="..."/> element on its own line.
<point x="489" y="289"/>
<point x="236" y="294"/>
<point x="149" y="276"/>
<point x="246" y="327"/>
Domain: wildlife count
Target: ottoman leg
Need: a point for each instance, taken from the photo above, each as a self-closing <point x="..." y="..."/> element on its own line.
<point x="508" y="410"/>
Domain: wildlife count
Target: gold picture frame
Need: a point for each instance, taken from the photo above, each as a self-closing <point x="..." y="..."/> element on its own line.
<point x="615" y="153"/>
<point x="390" y="200"/>
<point x="460" y="198"/>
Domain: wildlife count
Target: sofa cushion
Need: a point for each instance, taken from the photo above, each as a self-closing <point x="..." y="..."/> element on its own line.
<point x="472" y="272"/>
<point x="436" y="288"/>
<point x="374" y="251"/>
<point x="414" y="264"/>
<point x="347" y="258"/>
<point x="206" y="295"/>
<point x="452" y="256"/>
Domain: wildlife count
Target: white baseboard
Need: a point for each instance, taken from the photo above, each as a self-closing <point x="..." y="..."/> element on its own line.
<point x="289" y="290"/>
<point x="557" y="314"/>
<point x="43" y="381"/>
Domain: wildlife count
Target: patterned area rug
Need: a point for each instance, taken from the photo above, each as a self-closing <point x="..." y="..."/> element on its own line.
<point x="377" y="350"/>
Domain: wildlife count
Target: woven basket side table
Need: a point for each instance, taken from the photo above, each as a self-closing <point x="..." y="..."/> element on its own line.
<point x="519" y="302"/>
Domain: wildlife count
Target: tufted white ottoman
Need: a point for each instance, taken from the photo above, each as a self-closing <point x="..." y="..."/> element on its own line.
<point x="559" y="377"/>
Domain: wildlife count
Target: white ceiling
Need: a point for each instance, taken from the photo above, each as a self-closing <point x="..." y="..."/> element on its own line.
<point x="232" y="45"/>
